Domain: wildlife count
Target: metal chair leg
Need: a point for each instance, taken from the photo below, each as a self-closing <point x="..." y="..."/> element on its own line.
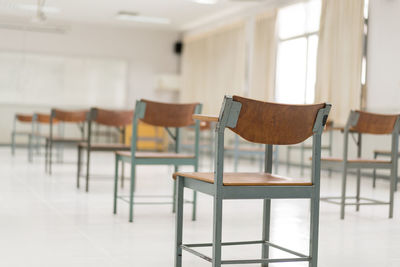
<point x="122" y="174"/>
<point x="78" y="173"/>
<point x="374" y="173"/>
<point x="13" y="144"/>
<point x="50" y="155"/>
<point x="266" y="230"/>
<point x="87" y="168"/>
<point x="217" y="232"/>
<point x="179" y="222"/>
<point x="30" y="148"/>
<point x="194" y="207"/>
<point x="358" y="189"/>
<point x="314" y="229"/>
<point x="46" y="147"/>
<point x="393" y="178"/>
<point x="116" y="183"/>
<point x="174" y="192"/>
<point x="132" y="191"/>
<point x="343" y="200"/>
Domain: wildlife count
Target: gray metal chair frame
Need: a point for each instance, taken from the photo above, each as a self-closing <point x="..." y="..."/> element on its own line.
<point x="345" y="164"/>
<point x="134" y="160"/>
<point x="51" y="141"/>
<point x="92" y="116"/>
<point x="228" y="118"/>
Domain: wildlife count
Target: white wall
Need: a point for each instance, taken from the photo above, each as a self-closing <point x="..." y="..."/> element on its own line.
<point x="383" y="93"/>
<point x="147" y="51"/>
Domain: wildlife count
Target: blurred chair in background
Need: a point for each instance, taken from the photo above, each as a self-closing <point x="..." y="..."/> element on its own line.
<point x="176" y="116"/>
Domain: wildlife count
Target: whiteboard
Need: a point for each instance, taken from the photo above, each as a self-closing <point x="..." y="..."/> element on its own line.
<point x="39" y="79"/>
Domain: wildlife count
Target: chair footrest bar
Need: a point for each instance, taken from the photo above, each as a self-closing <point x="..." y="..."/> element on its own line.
<point x="300" y="256"/>
<point x="264" y="260"/>
<point x="198" y="254"/>
<point x="225" y="244"/>
<point x="371" y="201"/>
<point x="126" y="199"/>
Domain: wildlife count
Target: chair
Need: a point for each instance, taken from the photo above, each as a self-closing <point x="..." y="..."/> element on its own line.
<point x="118" y="119"/>
<point x="77" y="117"/>
<point x="24" y="119"/>
<point x="263" y="123"/>
<point x="163" y="115"/>
<point x="360" y="122"/>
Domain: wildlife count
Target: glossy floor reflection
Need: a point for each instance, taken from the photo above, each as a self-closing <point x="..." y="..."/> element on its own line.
<point x="45" y="221"/>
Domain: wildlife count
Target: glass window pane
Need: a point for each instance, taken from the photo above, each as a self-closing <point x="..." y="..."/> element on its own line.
<point x="291" y="74"/>
<point x="313" y="15"/>
<point x="292" y="21"/>
<point x="311" y="68"/>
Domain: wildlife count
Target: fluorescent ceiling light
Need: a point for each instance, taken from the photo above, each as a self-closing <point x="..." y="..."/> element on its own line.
<point x="139" y="18"/>
<point x="206" y="2"/>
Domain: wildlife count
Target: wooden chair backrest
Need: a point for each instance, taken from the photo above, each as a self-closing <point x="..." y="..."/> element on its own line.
<point x="69" y="116"/>
<point x="116" y="118"/>
<point x="44" y="118"/>
<point x="168" y="114"/>
<point x="24" y="117"/>
<point x="275" y="124"/>
<point x="372" y="123"/>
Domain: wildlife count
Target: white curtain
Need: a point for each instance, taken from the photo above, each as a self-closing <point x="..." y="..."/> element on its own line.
<point x="213" y="65"/>
<point x="262" y="82"/>
<point x="340" y="57"/>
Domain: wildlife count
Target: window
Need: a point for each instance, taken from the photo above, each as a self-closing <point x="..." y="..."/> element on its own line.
<point x="364" y="58"/>
<point x="298" y="27"/>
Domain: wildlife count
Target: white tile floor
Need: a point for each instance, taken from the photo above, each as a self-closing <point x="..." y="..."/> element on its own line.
<point x="45" y="221"/>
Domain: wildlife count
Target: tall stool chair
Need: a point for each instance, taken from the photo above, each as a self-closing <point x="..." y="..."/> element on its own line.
<point x="360" y="122"/>
<point x="163" y="115"/>
<point x="117" y="119"/>
<point x="77" y="117"/>
<point x="269" y="124"/>
<point x="20" y="118"/>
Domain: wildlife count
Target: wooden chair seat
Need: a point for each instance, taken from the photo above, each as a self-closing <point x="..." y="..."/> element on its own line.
<point x="156" y="155"/>
<point x="358" y="160"/>
<point x="246" y="179"/>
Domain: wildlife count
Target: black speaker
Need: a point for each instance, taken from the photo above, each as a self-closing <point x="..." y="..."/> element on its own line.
<point x="178" y="47"/>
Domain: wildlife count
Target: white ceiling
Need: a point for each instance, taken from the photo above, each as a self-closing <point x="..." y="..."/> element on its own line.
<point x="183" y="14"/>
